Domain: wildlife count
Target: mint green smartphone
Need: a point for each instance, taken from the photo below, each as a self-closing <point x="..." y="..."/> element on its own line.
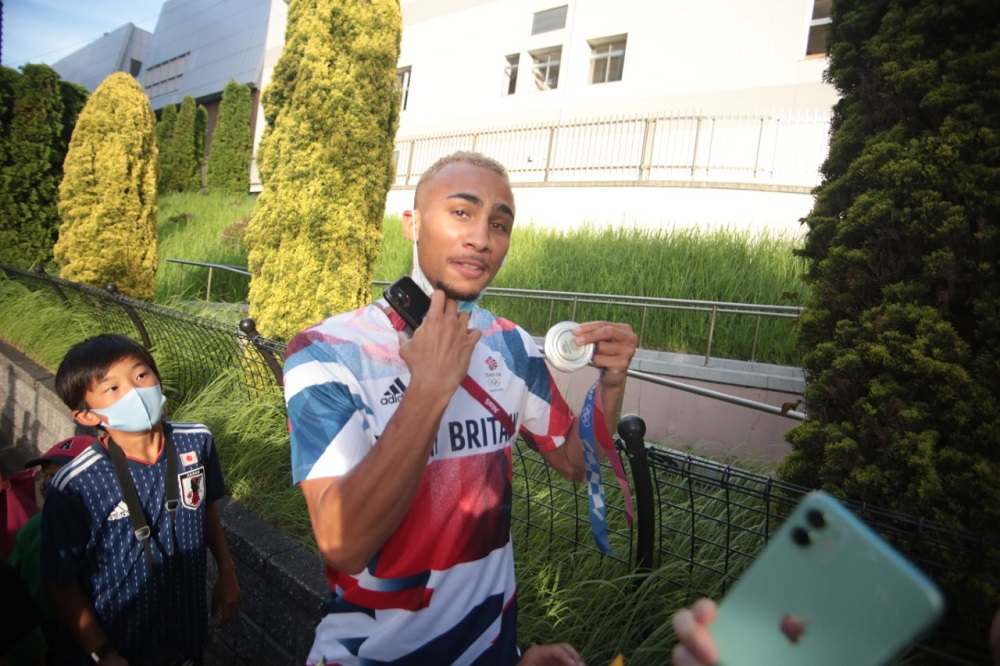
<point x="825" y="590"/>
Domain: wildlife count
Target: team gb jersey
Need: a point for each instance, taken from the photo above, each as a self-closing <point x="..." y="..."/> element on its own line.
<point x="441" y="590"/>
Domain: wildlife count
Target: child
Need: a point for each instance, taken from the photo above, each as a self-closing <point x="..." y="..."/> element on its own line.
<point x="125" y="524"/>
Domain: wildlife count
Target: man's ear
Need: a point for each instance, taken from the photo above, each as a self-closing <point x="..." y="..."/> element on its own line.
<point x="85" y="417"/>
<point x="411" y="224"/>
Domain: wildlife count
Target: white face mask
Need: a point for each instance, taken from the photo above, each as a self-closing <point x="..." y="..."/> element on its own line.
<point x="137" y="411"/>
<point x="418" y="276"/>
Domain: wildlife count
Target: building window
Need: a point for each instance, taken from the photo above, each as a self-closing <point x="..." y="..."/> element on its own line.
<point x="549" y="20"/>
<point x="545" y="67"/>
<point x="403" y="81"/>
<point x="819" y="26"/>
<point x="134" y="66"/>
<point x="510" y="74"/>
<point x="607" y="59"/>
<point x="165" y="77"/>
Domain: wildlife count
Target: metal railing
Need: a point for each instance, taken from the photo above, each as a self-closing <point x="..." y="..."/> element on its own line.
<point x="778" y="151"/>
<point x="211" y="270"/>
<point x="713" y="310"/>
<point x="713" y="517"/>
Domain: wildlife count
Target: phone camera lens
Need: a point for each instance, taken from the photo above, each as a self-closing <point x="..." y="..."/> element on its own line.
<point x="801" y="536"/>
<point x="816" y="518"/>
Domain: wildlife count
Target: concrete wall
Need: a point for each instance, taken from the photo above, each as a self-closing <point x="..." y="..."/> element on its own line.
<point x="282" y="582"/>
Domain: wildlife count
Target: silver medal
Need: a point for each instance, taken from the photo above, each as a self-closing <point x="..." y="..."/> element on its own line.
<point x="562" y="351"/>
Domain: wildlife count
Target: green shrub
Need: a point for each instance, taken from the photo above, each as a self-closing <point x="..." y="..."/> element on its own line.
<point x="902" y="328"/>
<point x="39" y="113"/>
<point x="232" y="143"/>
<point x="325" y="163"/>
<point x="180" y="161"/>
<point x="107" y="199"/>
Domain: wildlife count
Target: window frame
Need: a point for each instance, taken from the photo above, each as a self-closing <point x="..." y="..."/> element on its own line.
<point x="511" y="68"/>
<point x="547" y="67"/>
<point x="606" y="58"/>
<point x="403" y="77"/>
<point x="819" y="26"/>
<point x="549" y="20"/>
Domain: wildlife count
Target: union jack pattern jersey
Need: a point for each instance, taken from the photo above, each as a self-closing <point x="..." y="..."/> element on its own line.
<point x="87" y="538"/>
<point x="441" y="589"/>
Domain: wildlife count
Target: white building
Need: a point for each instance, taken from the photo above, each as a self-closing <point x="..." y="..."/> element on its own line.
<point x="644" y="112"/>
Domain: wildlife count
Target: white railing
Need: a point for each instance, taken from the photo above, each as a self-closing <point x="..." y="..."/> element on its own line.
<point x="779" y="150"/>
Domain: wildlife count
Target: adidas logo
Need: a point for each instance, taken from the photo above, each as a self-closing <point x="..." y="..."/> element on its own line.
<point x="395" y="393"/>
<point x="119" y="512"/>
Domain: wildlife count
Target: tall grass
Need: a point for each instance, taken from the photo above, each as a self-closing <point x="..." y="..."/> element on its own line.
<point x="721" y="264"/>
<point x="727" y="265"/>
<point x="39" y="324"/>
<point x="207" y="228"/>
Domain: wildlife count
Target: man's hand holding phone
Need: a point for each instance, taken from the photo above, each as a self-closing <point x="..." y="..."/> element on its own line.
<point x="439" y="350"/>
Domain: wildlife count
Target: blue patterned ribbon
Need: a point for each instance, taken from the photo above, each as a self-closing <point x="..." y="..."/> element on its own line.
<point x="593" y="429"/>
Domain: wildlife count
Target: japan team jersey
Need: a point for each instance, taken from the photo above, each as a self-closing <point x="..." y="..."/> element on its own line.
<point x="88" y="539"/>
<point x="441" y="589"/>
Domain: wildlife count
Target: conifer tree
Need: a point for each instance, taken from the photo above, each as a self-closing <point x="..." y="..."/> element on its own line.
<point x="326" y="163"/>
<point x="108" y="199"/>
<point x="232" y="143"/>
<point x="165" y="132"/>
<point x="32" y="162"/>
<point x="200" y="132"/>
<point x="903" y="327"/>
<point x="181" y="168"/>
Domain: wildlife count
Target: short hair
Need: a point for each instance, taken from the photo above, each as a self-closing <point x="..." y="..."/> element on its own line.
<point x="88" y="361"/>
<point x="461" y="156"/>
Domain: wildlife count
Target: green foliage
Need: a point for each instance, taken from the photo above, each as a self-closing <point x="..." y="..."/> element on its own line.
<point x="165" y="129"/>
<point x="200" y="134"/>
<point x="180" y="161"/>
<point x="326" y="163"/>
<point x="206" y="228"/>
<point x="903" y="326"/>
<point x="726" y="265"/>
<point x="39" y="324"/>
<point x="39" y="113"/>
<point x="232" y="143"/>
<point x="107" y="199"/>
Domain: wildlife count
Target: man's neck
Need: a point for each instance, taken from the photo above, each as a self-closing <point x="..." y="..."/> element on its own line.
<point x="143" y="446"/>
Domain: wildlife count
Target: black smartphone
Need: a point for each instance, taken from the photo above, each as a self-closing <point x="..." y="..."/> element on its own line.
<point x="408" y="300"/>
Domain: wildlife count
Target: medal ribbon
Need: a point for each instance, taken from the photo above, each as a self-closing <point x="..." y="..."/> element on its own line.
<point x="593" y="432"/>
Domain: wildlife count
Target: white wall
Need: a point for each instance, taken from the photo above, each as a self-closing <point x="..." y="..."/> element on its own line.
<point x="711" y="56"/>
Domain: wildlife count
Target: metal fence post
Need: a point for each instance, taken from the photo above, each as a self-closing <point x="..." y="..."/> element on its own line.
<point x="40" y="272"/>
<point x="112" y="289"/>
<point x="632" y="430"/>
<point x="249" y="328"/>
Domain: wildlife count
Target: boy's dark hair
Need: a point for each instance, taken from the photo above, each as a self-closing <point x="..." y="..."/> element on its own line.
<point x="88" y="361"/>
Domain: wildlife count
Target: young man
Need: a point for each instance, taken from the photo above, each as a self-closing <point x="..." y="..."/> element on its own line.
<point x="126" y="522"/>
<point x="406" y="474"/>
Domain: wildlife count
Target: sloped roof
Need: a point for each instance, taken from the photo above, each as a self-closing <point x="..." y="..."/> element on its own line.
<point x="200" y="45"/>
<point x="114" y="52"/>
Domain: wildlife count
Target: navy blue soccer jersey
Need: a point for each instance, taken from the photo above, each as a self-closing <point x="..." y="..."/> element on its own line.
<point x="88" y="538"/>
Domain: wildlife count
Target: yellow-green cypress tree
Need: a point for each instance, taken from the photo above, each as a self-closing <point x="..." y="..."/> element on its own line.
<point x="325" y="163"/>
<point x="107" y="199"/>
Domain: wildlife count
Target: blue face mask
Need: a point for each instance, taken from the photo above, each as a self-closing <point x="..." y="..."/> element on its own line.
<point x="137" y="411"/>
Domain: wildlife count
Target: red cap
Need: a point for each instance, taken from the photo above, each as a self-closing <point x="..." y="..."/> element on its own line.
<point x="64" y="451"/>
